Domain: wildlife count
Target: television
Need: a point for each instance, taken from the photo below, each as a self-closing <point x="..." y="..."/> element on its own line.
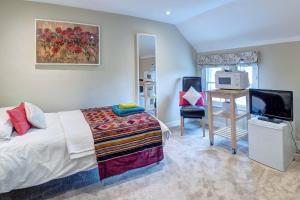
<point x="271" y="104"/>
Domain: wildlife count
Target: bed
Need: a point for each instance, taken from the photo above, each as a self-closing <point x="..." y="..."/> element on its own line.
<point x="42" y="155"/>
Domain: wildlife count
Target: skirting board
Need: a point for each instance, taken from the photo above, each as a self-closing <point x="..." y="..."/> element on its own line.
<point x="173" y="123"/>
<point x="177" y="122"/>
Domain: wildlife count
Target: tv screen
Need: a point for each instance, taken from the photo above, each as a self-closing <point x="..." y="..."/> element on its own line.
<point x="272" y="103"/>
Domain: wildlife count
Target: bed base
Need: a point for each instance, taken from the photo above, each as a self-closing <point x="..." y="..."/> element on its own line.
<point x="59" y="186"/>
<point x="54" y="187"/>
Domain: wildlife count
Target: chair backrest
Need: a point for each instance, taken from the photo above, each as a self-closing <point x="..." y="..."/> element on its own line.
<point x="187" y="82"/>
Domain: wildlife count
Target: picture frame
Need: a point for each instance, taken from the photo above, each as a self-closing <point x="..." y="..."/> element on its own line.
<point x="67" y="43"/>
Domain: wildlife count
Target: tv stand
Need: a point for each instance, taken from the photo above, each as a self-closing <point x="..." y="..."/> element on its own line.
<point x="268" y="119"/>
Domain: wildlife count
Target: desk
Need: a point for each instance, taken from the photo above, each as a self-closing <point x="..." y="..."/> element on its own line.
<point x="233" y="133"/>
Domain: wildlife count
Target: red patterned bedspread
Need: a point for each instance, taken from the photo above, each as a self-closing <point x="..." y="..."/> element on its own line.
<point x="124" y="143"/>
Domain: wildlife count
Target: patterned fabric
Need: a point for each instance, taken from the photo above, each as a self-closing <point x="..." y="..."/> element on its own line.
<point x="124" y="143"/>
<point x="228" y="59"/>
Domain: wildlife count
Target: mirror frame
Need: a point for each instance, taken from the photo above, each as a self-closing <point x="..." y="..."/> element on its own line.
<point x="138" y="70"/>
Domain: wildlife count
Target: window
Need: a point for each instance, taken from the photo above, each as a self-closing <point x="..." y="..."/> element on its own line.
<point x="210" y="77"/>
<point x="252" y="72"/>
<point x="209" y="81"/>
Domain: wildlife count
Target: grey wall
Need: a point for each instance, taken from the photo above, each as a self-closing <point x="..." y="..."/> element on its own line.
<point x="279" y="68"/>
<point x="56" y="88"/>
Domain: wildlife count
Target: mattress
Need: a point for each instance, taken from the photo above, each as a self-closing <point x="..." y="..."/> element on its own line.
<point x="38" y="156"/>
<point x="42" y="155"/>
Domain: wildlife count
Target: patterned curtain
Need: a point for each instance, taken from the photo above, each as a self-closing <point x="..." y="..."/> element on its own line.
<point x="249" y="57"/>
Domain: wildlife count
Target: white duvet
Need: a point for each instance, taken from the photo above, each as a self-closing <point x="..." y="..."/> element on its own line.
<point x="42" y="155"/>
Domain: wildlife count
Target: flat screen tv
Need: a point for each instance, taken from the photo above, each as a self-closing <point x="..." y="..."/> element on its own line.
<point x="273" y="104"/>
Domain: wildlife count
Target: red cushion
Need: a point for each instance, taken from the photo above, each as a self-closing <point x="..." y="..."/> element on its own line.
<point x="201" y="101"/>
<point x="19" y="120"/>
<point x="183" y="102"/>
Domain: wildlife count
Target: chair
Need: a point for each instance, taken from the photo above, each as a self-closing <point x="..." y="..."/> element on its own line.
<point x="195" y="112"/>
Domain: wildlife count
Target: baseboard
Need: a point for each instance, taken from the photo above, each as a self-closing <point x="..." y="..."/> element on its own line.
<point x="177" y="122"/>
<point x="173" y="123"/>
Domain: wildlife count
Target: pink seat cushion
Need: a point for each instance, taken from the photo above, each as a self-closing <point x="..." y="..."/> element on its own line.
<point x="183" y="102"/>
<point x="19" y="120"/>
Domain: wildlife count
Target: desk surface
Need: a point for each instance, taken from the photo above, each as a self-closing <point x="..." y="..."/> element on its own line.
<point x="224" y="93"/>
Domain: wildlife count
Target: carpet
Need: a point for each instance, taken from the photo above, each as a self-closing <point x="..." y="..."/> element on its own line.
<point x="193" y="170"/>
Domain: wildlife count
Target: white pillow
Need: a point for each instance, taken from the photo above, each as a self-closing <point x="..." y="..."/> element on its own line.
<point x="35" y="116"/>
<point x="192" y="96"/>
<point x="6" y="127"/>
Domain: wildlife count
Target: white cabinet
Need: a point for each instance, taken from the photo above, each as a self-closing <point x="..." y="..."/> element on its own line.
<point x="270" y="143"/>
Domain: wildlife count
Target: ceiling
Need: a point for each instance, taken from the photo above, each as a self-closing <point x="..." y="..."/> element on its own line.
<point x="181" y="10"/>
<point x="243" y="23"/>
<point x="211" y="25"/>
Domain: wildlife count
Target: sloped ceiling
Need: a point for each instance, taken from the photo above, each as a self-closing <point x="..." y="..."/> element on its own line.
<point x="211" y="25"/>
<point x="244" y="23"/>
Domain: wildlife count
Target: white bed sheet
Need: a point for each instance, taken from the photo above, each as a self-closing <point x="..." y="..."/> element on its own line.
<point x="42" y="155"/>
<point x="37" y="157"/>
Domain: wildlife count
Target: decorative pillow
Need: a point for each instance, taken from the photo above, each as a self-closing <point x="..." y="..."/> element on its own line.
<point x="19" y="120"/>
<point x="6" y="127"/>
<point x="183" y="102"/>
<point x="192" y="96"/>
<point x="35" y="116"/>
<point x="201" y="101"/>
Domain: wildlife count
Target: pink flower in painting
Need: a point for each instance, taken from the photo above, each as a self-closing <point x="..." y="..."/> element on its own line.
<point x="53" y="39"/>
<point x="55" y="50"/>
<point x="77" y="29"/>
<point x="59" y="41"/>
<point x="70" y="35"/>
<point x="84" y="38"/>
<point x="69" y="30"/>
<point x="70" y="46"/>
<point x="48" y="39"/>
<point x="58" y="30"/>
<point x="47" y="31"/>
<point x="77" y="49"/>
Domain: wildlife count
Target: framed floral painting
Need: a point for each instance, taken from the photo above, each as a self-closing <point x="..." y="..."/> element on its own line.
<point x="67" y="43"/>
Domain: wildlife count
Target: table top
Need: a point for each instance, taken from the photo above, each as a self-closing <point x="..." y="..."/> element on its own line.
<point x="222" y="93"/>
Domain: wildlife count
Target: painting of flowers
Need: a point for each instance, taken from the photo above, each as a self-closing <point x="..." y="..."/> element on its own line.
<point x="67" y="43"/>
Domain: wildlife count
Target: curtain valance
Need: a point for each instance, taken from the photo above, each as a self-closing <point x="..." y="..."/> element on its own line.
<point x="228" y="59"/>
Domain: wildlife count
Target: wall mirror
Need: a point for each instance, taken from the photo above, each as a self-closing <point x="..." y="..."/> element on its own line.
<point x="147" y="72"/>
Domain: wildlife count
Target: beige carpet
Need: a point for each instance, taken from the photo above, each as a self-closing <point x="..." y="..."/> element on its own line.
<point x="192" y="170"/>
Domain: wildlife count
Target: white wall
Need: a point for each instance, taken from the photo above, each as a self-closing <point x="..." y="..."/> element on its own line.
<point x="57" y="88"/>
